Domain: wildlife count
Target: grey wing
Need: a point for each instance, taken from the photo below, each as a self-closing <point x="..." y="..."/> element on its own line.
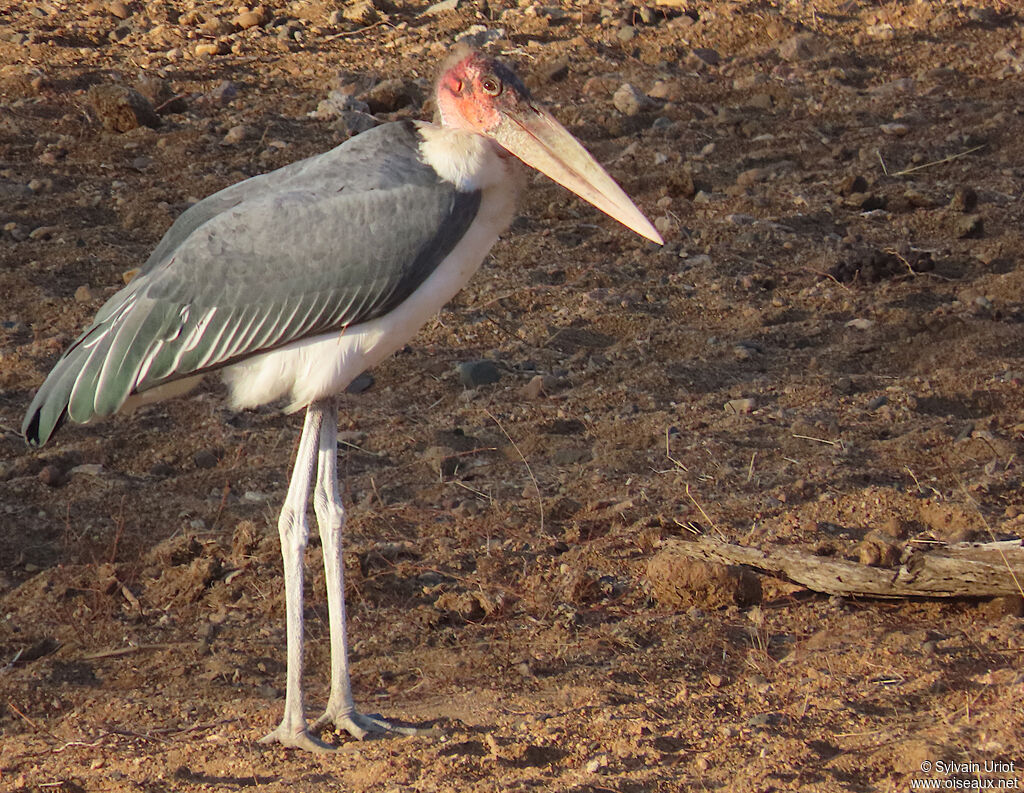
<point x="268" y="270"/>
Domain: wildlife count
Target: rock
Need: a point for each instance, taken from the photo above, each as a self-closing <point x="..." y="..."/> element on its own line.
<point x="120" y="108"/>
<point x="895" y="129"/>
<point x="741" y="406"/>
<point x="237" y="134"/>
<point x="965" y="199"/>
<point x="52" y="476"/>
<point x="160" y="95"/>
<point x="129" y="275"/>
<point x="860" y="323"/>
<point x="707" y="55"/>
<point x="352" y="122"/>
<point x="119" y="10"/>
<point x="44" y="232"/>
<point x="629" y="101"/>
<point x="677" y="581"/>
<point x="555" y="71"/>
<point x="336" y="104"/>
<point x="362" y="383"/>
<point x="388" y="96"/>
<point x="478" y="373"/>
<point x="207" y="458"/>
<point x="224" y="94"/>
<point x="83" y="294"/>
<point x="251" y="19"/>
<point x="360" y="12"/>
<point x="441" y="7"/>
<point x="207" y="49"/>
<point x="800" y="47"/>
<point x="968" y="226"/>
<point x="625" y="33"/>
<point x="533" y="389"/>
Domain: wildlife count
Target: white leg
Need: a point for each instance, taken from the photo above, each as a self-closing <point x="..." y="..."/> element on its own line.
<point x="294" y="530"/>
<point x="330" y="516"/>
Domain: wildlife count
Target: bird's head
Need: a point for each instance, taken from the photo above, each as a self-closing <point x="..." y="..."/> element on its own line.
<point x="482" y="95"/>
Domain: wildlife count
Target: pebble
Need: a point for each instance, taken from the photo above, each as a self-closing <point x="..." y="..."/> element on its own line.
<point x="119" y="9"/>
<point x="44" y="232"/>
<point x="207" y="49"/>
<point x="362" y="383"/>
<point x="250" y="19"/>
<point x="237" y="134"/>
<point x="628" y="100"/>
<point x="966" y="226"/>
<point x="860" y="324"/>
<point x="207" y="458"/>
<point x="897" y="130"/>
<point x="444" y="5"/>
<point x="52" y="476"/>
<point x="800" y="47"/>
<point x="224" y="94"/>
<point x="122" y="109"/>
<point x="534" y="388"/>
<point x="477" y="373"/>
<point x="83" y="294"/>
<point x="625" y="33"/>
<point x="740" y="406"/>
<point x="965" y="199"/>
<point x="352" y="122"/>
<point x="388" y="96"/>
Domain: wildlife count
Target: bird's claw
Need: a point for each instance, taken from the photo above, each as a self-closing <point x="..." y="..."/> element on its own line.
<point x="359" y="725"/>
<point x="297" y="739"/>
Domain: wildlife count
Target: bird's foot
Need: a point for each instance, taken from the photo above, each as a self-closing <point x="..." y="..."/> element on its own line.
<point x="359" y="725"/>
<point x="297" y="739"/>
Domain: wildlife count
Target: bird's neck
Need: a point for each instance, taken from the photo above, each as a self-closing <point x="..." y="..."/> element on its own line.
<point x="466" y="159"/>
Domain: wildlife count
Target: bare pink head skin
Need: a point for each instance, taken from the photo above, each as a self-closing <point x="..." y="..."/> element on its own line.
<point x="483" y="95"/>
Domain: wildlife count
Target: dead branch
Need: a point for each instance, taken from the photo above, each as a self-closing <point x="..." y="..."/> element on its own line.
<point x="963" y="570"/>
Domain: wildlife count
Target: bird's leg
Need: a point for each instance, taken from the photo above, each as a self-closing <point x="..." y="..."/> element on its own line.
<point x="330" y="515"/>
<point x="294" y="531"/>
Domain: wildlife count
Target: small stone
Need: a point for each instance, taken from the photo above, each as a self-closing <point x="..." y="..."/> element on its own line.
<point x="478" y="373"/>
<point x="362" y="383"/>
<point x="707" y="55"/>
<point x="967" y="226"/>
<point x="625" y="33"/>
<point x="854" y="183"/>
<point x="44" y="232"/>
<point x="896" y="130"/>
<point x="628" y="100"/>
<point x="556" y="71"/>
<point x="162" y="469"/>
<point x="129" y="275"/>
<point x="860" y="323"/>
<point x="352" y="122"/>
<point x="119" y="9"/>
<point x="52" y="476"/>
<point x="237" y="134"/>
<point x="438" y="8"/>
<point x="741" y="406"/>
<point x="83" y="294"/>
<point x="250" y="19"/>
<point x="120" y="108"/>
<point x="360" y="12"/>
<point x="207" y="49"/>
<point x="965" y="199"/>
<point x="225" y="93"/>
<point x="800" y="47"/>
<point x="534" y="388"/>
<point x="207" y="458"/>
<point x="388" y="96"/>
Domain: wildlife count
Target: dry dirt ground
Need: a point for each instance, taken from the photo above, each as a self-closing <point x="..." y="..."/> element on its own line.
<point x="828" y="345"/>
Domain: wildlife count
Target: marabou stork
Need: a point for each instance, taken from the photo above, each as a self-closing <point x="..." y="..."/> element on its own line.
<point x="294" y="282"/>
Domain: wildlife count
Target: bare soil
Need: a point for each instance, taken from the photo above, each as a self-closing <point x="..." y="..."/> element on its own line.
<point x="828" y="345"/>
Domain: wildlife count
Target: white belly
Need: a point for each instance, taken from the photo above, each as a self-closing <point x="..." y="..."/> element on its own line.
<point x="321" y="366"/>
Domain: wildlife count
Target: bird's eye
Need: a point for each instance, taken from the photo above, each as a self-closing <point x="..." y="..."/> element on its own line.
<point x="491" y="85"/>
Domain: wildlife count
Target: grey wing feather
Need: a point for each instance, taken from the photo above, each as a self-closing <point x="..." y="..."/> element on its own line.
<point x="325" y="243"/>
